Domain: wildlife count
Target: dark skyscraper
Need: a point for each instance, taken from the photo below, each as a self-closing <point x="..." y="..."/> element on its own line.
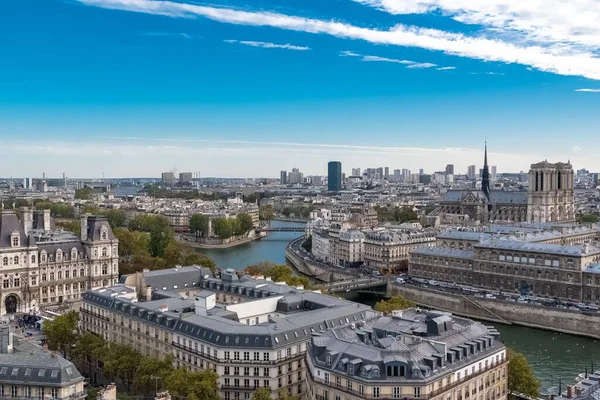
<point x="485" y="175"/>
<point x="450" y="169"/>
<point x="283" y="177"/>
<point x="334" y="176"/>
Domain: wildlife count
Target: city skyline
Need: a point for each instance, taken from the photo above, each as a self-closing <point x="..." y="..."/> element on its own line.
<point x="135" y="88"/>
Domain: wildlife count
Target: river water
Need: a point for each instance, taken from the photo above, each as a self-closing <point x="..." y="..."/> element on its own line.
<point x="553" y="356"/>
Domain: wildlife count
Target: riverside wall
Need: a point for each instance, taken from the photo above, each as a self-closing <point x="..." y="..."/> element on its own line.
<point x="494" y="310"/>
<point x="313" y="270"/>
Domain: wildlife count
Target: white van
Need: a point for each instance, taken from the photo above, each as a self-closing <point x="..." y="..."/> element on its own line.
<point x="400" y="280"/>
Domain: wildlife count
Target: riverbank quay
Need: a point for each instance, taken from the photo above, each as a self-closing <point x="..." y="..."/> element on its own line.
<point x="500" y="311"/>
<point x="191" y="241"/>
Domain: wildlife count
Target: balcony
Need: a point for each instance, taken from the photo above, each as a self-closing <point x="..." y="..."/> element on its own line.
<point x="250" y="361"/>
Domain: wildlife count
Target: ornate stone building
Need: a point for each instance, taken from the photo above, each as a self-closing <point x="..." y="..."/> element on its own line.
<point x="549" y="198"/>
<point x="551" y="192"/>
<point x="41" y="266"/>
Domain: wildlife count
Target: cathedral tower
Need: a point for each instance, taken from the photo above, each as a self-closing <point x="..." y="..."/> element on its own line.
<point x="551" y="193"/>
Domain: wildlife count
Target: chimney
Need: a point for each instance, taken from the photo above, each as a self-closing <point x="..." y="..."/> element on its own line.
<point x="162" y="396"/>
<point x="148" y="293"/>
<point x="27" y="220"/>
<point x="84" y="227"/>
<point x="5" y="339"/>
<point x="163" y="308"/>
<point x="203" y="302"/>
<point x="569" y="391"/>
<point x="46" y="220"/>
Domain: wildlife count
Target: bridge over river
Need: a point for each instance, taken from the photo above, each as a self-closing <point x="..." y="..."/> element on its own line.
<point x="368" y="285"/>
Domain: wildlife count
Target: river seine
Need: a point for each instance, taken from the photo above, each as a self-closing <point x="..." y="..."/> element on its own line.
<point x="553" y="356"/>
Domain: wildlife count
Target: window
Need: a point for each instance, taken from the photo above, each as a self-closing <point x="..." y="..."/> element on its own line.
<point x="338" y="381"/>
<point x="40" y="391"/>
<point x="256" y="356"/>
<point x="376" y="392"/>
<point x="17" y="282"/>
<point x="227" y="355"/>
<point x="361" y="390"/>
<point x="103" y="235"/>
<point x="265" y="356"/>
<point x="15" y="241"/>
<point x="104" y="269"/>
<point x="13" y="391"/>
<point x="16" y="260"/>
<point x="417" y="392"/>
<point x="350" y="368"/>
<point x="227" y="371"/>
<point x="328" y="359"/>
<point x="396" y="392"/>
<point x="246" y="356"/>
<point x="349" y="385"/>
<point x="236" y="355"/>
<point x="288" y="351"/>
<point x="43" y="258"/>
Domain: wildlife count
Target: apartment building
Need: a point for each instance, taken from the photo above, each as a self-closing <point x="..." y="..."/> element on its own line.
<point x="252" y="332"/>
<point x="410" y="355"/>
<point x="387" y="250"/>
<point x="28" y="372"/>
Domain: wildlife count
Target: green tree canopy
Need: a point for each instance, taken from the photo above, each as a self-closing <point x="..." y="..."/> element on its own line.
<point x="89" y="347"/>
<point x="266" y="213"/>
<point x="521" y="378"/>
<point x="307" y="244"/>
<point x="146" y="223"/>
<point x="588" y="218"/>
<point x="395" y="303"/>
<point x="73" y="226"/>
<point x="278" y="273"/>
<point x="151" y="374"/>
<point x="84" y="193"/>
<point x="201" y="385"/>
<point x="245" y="222"/>
<point x="222" y="228"/>
<point x="262" y="394"/>
<point x="122" y="362"/>
<point x="160" y="238"/>
<point x="63" y="333"/>
<point x="199" y="224"/>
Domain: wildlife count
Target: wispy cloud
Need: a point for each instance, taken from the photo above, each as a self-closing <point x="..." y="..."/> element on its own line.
<point x="170" y="34"/>
<point x="445" y="68"/>
<point x="384" y="59"/>
<point x="487" y="73"/>
<point x="268" y="45"/>
<point x="576" y="149"/>
<point x="422" y="65"/>
<point x="588" y="90"/>
<point x="576" y="59"/>
<point x="347" y="53"/>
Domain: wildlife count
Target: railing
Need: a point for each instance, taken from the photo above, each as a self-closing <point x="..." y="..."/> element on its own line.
<point x="231" y="361"/>
<point x="77" y="395"/>
<point x="94" y="314"/>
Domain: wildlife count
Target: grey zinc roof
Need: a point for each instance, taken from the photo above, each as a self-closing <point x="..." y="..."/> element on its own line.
<point x="316" y="313"/>
<point x="508" y="197"/>
<point x="95" y="223"/>
<point x="444" y="252"/>
<point x="9" y="223"/>
<point x="461" y="235"/>
<point x="455" y="195"/>
<point x="30" y="364"/>
<point x="174" y="278"/>
<point x="558" y="249"/>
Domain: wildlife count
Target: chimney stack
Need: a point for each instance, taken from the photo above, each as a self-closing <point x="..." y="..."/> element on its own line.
<point x="46" y="220"/>
<point x="5" y="339"/>
<point x="84" y="227"/>
<point x="27" y="220"/>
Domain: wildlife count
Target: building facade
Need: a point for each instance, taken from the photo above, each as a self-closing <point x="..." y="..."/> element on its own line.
<point x="27" y="372"/>
<point x="45" y="267"/>
<point x="387" y="251"/>
<point x="549" y="198"/>
<point x="334" y="176"/>
<point x="411" y="355"/>
<point x="547" y="270"/>
<point x="257" y="339"/>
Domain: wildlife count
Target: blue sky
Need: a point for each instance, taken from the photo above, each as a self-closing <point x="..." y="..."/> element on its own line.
<point x="232" y="88"/>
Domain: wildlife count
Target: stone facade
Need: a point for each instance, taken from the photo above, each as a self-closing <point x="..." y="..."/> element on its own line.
<point x="549" y="270"/>
<point x="387" y="251"/>
<point x="45" y="267"/>
<point x="551" y="192"/>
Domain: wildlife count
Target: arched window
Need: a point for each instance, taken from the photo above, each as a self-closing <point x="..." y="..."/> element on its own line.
<point x="104" y="252"/>
<point x="15" y="259"/>
<point x="5" y="261"/>
<point x="104" y="269"/>
<point x="33" y="259"/>
<point x="82" y="272"/>
<point x="43" y="258"/>
<point x="103" y="235"/>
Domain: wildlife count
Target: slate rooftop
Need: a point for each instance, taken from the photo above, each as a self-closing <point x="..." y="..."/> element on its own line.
<point x="411" y="345"/>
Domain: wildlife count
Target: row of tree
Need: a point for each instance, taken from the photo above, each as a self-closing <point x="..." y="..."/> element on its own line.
<point x="278" y="273"/>
<point x="223" y="228"/>
<point x="297" y="212"/>
<point x="396" y="214"/>
<point x="138" y="373"/>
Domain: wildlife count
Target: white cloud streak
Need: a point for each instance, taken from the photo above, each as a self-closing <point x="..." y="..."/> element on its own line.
<point x="445" y="68"/>
<point x="384" y="59"/>
<point x="563" y="60"/>
<point x="588" y="90"/>
<point x="268" y="45"/>
<point x="170" y="34"/>
<point x="422" y="65"/>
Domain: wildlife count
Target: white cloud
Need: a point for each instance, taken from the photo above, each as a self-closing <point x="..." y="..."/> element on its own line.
<point x="347" y="53"/>
<point x="268" y="45"/>
<point x="422" y="65"/>
<point x="486" y="73"/>
<point x="588" y="90"/>
<point x="170" y="34"/>
<point x="564" y="57"/>
<point x="384" y="59"/>
<point x="445" y="68"/>
<point x="565" y="25"/>
<point x="577" y="148"/>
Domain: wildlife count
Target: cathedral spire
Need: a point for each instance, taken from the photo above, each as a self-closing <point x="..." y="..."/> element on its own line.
<point x="485" y="175"/>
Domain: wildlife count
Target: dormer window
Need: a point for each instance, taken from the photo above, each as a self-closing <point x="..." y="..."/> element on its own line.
<point x="350" y="368"/>
<point x="15" y="241"/>
<point x="103" y="234"/>
<point x="328" y="359"/>
<point x="104" y="252"/>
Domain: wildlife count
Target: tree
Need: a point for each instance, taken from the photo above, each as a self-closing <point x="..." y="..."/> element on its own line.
<point x="287" y="211"/>
<point x="192" y="257"/>
<point x="284" y="395"/>
<point x="89" y="347"/>
<point x="115" y="218"/>
<point x="160" y="237"/>
<point x="122" y="362"/>
<point x="84" y="193"/>
<point x="150" y="374"/>
<point x="266" y="213"/>
<point x="278" y="273"/>
<point x="246" y="224"/>
<point x="222" y="228"/>
<point x="199" y="225"/>
<point x="588" y="218"/>
<point x="262" y="394"/>
<point x="71" y="226"/>
<point x="405" y="214"/>
<point x="200" y="385"/>
<point x="521" y="378"/>
<point x="62" y="333"/>
<point x="395" y="303"/>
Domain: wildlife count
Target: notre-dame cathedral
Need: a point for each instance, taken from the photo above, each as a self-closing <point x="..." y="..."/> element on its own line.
<point x="549" y="198"/>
